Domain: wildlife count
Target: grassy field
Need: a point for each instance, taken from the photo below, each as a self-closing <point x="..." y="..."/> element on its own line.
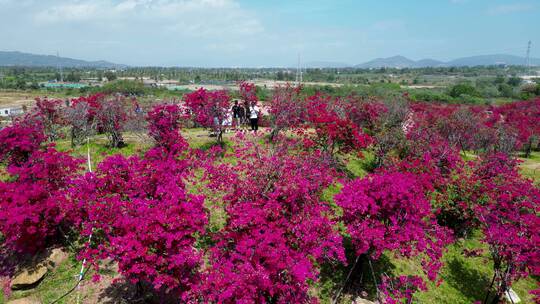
<point x="530" y="167"/>
<point x="464" y="278"/>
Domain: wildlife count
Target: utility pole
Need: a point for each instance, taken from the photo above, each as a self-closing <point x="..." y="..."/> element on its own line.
<point x="60" y="67"/>
<point x="298" y="72"/>
<point x="528" y="58"/>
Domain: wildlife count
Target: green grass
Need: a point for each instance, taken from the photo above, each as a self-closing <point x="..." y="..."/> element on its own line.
<point x="199" y="138"/>
<point x="464" y="279"/>
<point x="3" y="174"/>
<point x="359" y="167"/>
<point x="530" y="167"/>
<point x="468" y="155"/>
<point x="99" y="148"/>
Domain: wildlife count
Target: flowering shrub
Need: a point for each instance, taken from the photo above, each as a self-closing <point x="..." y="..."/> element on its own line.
<point x="50" y="113"/>
<point x="510" y="220"/>
<point x="287" y="109"/>
<point x="276" y="228"/>
<point x="248" y="92"/>
<point x="452" y="184"/>
<point x="111" y="116"/>
<point x="209" y="109"/>
<point x="164" y="127"/>
<point x="334" y="131"/>
<point x="390" y="211"/>
<point x="81" y="117"/>
<point x="503" y="128"/>
<point x="522" y="118"/>
<point x="366" y="113"/>
<point x="30" y="198"/>
<point x="453" y="123"/>
<point x="455" y="201"/>
<point x="143" y="219"/>
<point x="19" y="141"/>
<point x="140" y="214"/>
<point x="108" y="114"/>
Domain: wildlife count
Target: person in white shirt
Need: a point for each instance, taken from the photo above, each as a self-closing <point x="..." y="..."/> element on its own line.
<point x="254" y="112"/>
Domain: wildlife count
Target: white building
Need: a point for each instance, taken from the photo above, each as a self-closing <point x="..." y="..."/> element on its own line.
<point x="7" y="112"/>
<point x="530" y="79"/>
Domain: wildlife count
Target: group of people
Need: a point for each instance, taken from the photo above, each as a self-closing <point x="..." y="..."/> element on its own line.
<point x="246" y="114"/>
<point x="239" y="117"/>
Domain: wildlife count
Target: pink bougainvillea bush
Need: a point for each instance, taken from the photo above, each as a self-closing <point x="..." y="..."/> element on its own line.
<point x="248" y="92"/>
<point x="164" y="126"/>
<point x="287" y="109"/>
<point x="390" y="212"/>
<point x="50" y="113"/>
<point x="277" y="227"/>
<point x="100" y="113"/>
<point x="30" y="196"/>
<point x="81" y="117"/>
<point x="335" y="132"/>
<point x="142" y="218"/>
<point x="139" y="213"/>
<point x="510" y="220"/>
<point x="19" y="141"/>
<point x="452" y="185"/>
<point x="209" y="109"/>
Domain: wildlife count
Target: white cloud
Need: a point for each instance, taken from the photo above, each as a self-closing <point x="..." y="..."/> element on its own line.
<point x="68" y="12"/>
<point x="510" y="8"/>
<point x="193" y="18"/>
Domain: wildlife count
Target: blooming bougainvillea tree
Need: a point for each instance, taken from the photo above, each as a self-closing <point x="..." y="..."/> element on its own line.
<point x="276" y="228"/>
<point x="30" y="197"/>
<point x="209" y="109"/>
<point x="390" y="212"/>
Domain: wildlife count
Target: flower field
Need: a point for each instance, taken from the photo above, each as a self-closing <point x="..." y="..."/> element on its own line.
<point x="335" y="198"/>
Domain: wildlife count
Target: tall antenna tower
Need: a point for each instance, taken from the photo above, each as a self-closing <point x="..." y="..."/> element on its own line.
<point x="59" y="66"/>
<point x="529" y="58"/>
<point x="298" y="72"/>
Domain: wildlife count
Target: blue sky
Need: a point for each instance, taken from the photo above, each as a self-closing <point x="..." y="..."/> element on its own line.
<point x="267" y="33"/>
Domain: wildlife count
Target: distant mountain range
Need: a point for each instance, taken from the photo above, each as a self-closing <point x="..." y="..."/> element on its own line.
<point x="403" y="62"/>
<point x="33" y="60"/>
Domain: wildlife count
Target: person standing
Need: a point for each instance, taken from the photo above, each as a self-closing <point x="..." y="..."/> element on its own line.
<point x="238" y="115"/>
<point x="254" y="112"/>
